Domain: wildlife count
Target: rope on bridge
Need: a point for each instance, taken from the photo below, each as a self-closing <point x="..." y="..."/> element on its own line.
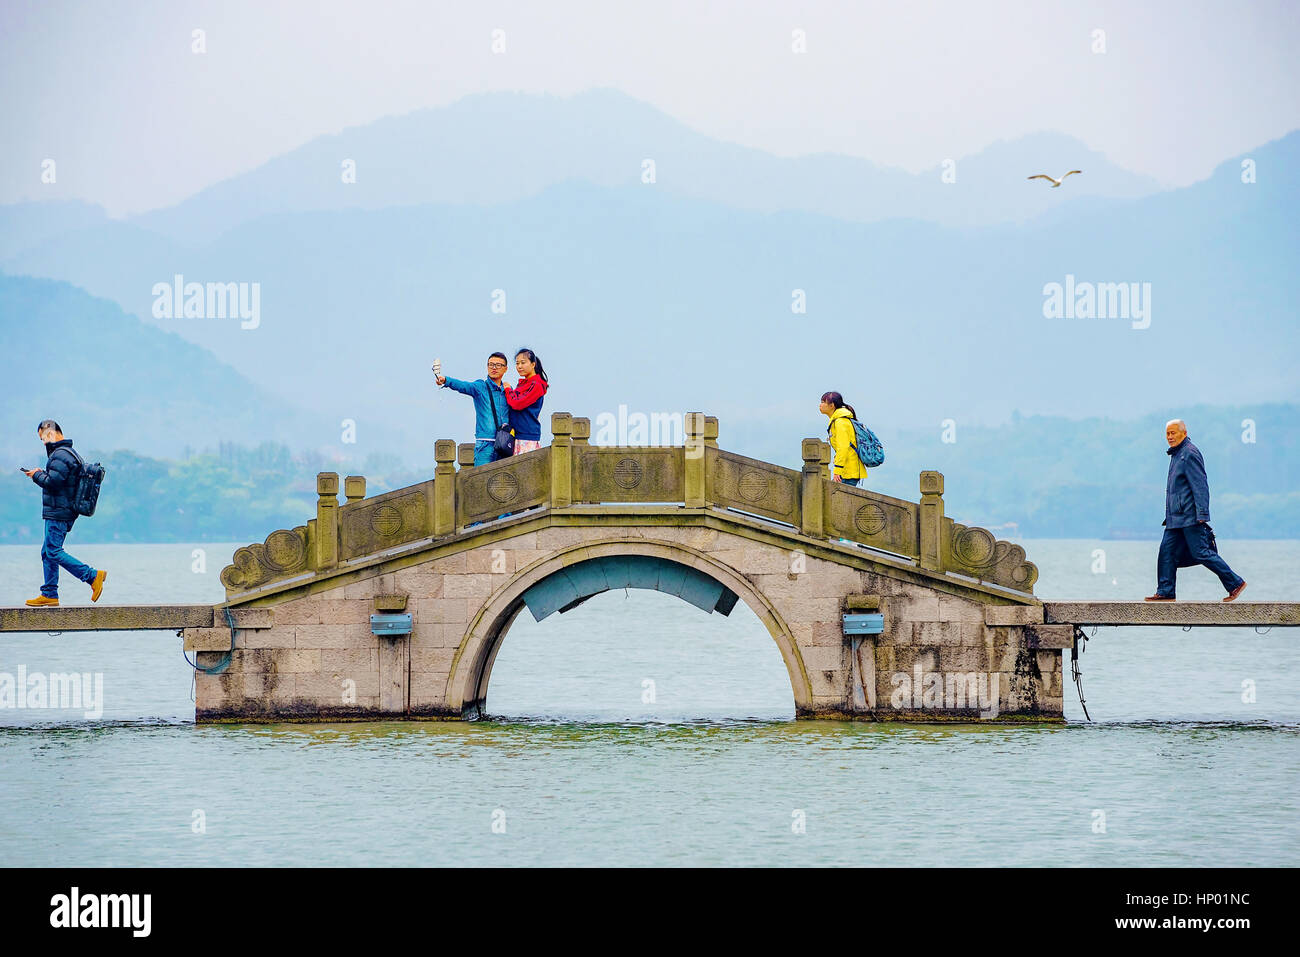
<point x="225" y="662"/>
<point x="1080" y="638"/>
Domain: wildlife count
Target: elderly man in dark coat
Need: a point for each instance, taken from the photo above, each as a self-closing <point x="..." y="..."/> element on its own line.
<point x="1188" y="540"/>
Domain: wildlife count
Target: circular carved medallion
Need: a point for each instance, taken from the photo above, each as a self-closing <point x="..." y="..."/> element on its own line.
<point x="753" y="486"/>
<point x="284" y="550"/>
<point x="974" y="547"/>
<point x="627" y="473"/>
<point x="870" y="519"/>
<point x="386" y="520"/>
<point x="503" y="487"/>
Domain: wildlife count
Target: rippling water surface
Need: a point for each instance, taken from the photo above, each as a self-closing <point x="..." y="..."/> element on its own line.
<point x="638" y="730"/>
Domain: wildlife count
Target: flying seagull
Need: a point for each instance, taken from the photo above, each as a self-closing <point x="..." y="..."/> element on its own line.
<point x="1055" y="182"/>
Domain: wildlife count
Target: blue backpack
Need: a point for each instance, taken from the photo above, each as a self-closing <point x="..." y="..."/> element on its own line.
<point x="868" y="448"/>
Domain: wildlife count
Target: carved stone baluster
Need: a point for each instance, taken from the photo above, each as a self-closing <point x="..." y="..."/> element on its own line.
<point x="444" y="487"/>
<point x="711" y="431"/>
<point x="930" y="533"/>
<point x="695" y="486"/>
<point x="561" y="459"/>
<point x="327" y="520"/>
<point x="812" y="520"/>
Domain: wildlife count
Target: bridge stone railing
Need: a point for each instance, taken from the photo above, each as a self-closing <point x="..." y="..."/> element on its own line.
<point x="570" y="471"/>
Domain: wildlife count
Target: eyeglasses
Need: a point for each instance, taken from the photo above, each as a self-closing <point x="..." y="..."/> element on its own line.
<point x="496" y="365"/>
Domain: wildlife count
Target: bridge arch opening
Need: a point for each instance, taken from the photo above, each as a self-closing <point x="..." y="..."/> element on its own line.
<point x="591" y="586"/>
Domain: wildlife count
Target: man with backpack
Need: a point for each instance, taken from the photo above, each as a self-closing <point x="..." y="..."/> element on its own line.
<point x="59" y="482"/>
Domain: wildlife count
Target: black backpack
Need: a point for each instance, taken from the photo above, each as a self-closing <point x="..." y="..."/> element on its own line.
<point x="85" y="487"/>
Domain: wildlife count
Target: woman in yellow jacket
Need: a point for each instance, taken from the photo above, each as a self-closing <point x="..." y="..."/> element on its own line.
<point x="848" y="467"/>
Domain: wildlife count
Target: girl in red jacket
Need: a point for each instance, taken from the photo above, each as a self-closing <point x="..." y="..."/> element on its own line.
<point x="525" y="401"/>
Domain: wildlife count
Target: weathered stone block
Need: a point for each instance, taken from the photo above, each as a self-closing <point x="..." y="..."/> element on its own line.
<point x="275" y="688"/>
<point x="470" y="585"/>
<point x="829" y="633"/>
<point x="828" y="682"/>
<point x="344" y="612"/>
<point x="963" y="658"/>
<point x="326" y="636"/>
<point x="282" y="637"/>
<point x="915" y="609"/>
<point x="936" y="633"/>
<point x="822" y="658"/>
<point x="295" y="660"/>
<point x="300" y="611"/>
<point x="429" y="611"/>
<point x="425" y="657"/>
<point x="418" y="581"/>
<point x="960" y="610"/>
<point x="348" y="661"/>
<point x="428" y="690"/>
<point x="907" y="657"/>
<point x="497" y="560"/>
<point x="434" y="635"/>
<point x="366" y="588"/>
<point x="1049" y="636"/>
<point x="1013" y="614"/>
<point x="809" y="609"/>
<point x="207" y="639"/>
<point x="700" y="539"/>
<point x="756" y="560"/>
<point x="524" y="557"/>
<point x="330" y="688"/>
<point x="557" y="538"/>
<point x="249" y="618"/>
<point x="448" y="565"/>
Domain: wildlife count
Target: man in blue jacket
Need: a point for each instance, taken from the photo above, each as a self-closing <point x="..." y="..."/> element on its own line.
<point x="58" y="482"/>
<point x="490" y="408"/>
<point x="1188" y="540"/>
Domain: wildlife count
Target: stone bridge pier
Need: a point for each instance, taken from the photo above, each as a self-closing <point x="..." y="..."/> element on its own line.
<point x="318" y="628"/>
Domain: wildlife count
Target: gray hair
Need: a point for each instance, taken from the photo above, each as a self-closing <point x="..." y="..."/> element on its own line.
<point x="48" y="424"/>
<point x="1178" y="422"/>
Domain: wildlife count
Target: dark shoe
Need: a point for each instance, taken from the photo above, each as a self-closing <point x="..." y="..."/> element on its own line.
<point x="1235" y="592"/>
<point x="1159" y="598"/>
<point x="40" y="601"/>
<point x="97" y="586"/>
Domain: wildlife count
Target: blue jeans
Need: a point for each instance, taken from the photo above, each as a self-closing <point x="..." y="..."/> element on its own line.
<point x="1184" y="547"/>
<point x="53" y="555"/>
<point x="850" y="481"/>
<point x="485" y="451"/>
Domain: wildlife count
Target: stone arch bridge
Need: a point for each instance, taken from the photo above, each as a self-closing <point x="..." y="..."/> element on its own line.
<point x="879" y="607"/>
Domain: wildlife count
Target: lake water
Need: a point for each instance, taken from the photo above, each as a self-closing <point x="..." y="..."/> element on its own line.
<point x="673" y="742"/>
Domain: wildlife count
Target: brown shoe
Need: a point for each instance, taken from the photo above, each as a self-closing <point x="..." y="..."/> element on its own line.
<point x="40" y="601"/>
<point x="97" y="586"/>
<point x="1235" y="592"/>
<point x="1159" y="598"/>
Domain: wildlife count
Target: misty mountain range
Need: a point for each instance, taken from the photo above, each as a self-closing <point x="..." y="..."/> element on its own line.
<point x="923" y="299"/>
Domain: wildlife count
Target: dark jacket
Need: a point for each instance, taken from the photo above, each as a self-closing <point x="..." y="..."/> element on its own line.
<point x="526" y="408"/>
<point x="1187" y="491"/>
<point x="58" y="482"/>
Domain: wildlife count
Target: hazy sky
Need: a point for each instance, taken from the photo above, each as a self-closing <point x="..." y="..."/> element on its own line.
<point x="135" y="120"/>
